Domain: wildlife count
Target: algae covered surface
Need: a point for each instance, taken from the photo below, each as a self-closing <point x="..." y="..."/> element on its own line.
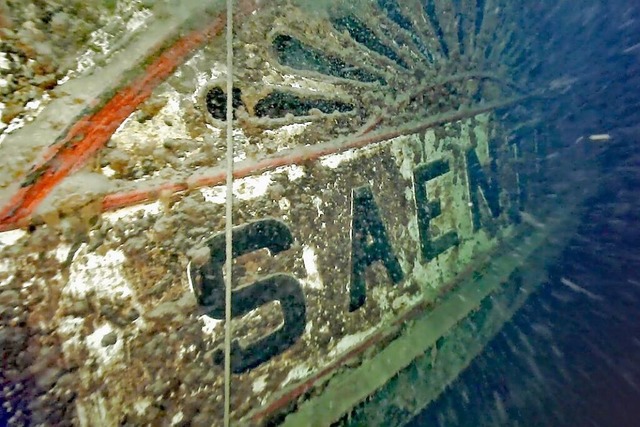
<point x="43" y="43"/>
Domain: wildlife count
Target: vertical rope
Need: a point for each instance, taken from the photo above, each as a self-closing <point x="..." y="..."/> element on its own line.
<point x="228" y="219"/>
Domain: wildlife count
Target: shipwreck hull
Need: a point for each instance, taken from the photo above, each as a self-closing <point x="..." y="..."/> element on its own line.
<point x="393" y="201"/>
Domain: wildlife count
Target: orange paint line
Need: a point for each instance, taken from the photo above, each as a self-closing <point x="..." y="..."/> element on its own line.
<point x="91" y="132"/>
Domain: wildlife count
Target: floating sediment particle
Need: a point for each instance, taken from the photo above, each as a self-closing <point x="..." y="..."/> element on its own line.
<point x="600" y="137"/>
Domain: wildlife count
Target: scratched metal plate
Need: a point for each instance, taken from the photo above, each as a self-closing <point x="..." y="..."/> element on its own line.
<point x="369" y="179"/>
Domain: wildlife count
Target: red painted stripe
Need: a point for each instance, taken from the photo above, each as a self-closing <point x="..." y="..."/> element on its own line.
<point x="91" y="132"/>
